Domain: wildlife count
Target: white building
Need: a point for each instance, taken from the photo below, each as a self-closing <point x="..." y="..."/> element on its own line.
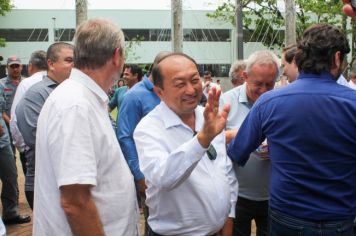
<point x="210" y="42"/>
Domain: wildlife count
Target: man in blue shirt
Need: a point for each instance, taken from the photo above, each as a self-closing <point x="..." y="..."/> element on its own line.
<point x="310" y="126"/>
<point x="132" y="75"/>
<point x="137" y="103"/>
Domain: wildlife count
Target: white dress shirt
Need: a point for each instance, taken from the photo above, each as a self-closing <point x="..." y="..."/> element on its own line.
<point x="352" y="84"/>
<point x="24" y="85"/>
<point x="187" y="193"/>
<point x="76" y="144"/>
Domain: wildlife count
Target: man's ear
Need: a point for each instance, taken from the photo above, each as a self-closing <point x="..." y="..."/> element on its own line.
<point x="244" y="75"/>
<point x="337" y="60"/>
<point x="158" y="91"/>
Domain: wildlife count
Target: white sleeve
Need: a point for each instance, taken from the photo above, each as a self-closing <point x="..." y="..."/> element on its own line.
<point x="71" y="147"/>
<point x="164" y="169"/>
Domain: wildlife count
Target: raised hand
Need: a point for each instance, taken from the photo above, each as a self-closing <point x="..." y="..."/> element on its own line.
<point x="348" y="9"/>
<point x="214" y="122"/>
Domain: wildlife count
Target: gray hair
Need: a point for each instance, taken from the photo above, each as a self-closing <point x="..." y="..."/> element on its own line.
<point x="38" y="60"/>
<point x="263" y="57"/>
<point x="235" y="67"/>
<point x="95" y="42"/>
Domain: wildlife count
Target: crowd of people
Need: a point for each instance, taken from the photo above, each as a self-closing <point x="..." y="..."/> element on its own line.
<point x="194" y="160"/>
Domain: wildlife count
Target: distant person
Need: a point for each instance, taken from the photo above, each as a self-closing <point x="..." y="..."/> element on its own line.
<point x="83" y="185"/>
<point x="260" y="75"/>
<point x="310" y="127"/>
<point x="121" y="83"/>
<point x="9" y="85"/>
<point x="60" y="63"/>
<point x="37" y="67"/>
<point x="236" y="73"/>
<point x="132" y="75"/>
<point x="290" y="69"/>
<point x="8" y="174"/>
<point x="191" y="185"/>
<point x="208" y="83"/>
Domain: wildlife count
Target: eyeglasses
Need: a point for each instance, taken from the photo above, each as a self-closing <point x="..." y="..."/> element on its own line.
<point x="13" y="66"/>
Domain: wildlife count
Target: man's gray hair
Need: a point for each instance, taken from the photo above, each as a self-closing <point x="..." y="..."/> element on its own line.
<point x="235" y="67"/>
<point x="95" y="42"/>
<point x="38" y="60"/>
<point x="263" y="57"/>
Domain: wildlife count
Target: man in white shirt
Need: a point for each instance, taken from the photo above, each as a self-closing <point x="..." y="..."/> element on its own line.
<point x="191" y="185"/>
<point x="83" y="185"/>
<point x="37" y="67"/>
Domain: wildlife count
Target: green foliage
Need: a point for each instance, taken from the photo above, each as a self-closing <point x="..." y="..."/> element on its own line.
<point x="5" y="6"/>
<point x="264" y="21"/>
<point x="130" y="48"/>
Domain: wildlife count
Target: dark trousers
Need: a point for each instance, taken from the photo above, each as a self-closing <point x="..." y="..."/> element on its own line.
<point x="29" y="198"/>
<point x="248" y="210"/>
<point x="8" y="176"/>
<point x="23" y="162"/>
<point x="281" y="224"/>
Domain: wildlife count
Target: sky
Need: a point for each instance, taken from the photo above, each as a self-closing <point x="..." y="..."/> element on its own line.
<point x="116" y="4"/>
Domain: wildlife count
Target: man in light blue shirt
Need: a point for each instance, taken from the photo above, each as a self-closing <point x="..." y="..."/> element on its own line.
<point x="260" y="75"/>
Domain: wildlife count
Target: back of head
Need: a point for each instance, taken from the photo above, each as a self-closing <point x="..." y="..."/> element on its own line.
<point x="55" y="48"/>
<point x="316" y="50"/>
<point x="95" y="42"/>
<point x="263" y="57"/>
<point x="38" y="60"/>
<point x="289" y="52"/>
<point x="239" y="65"/>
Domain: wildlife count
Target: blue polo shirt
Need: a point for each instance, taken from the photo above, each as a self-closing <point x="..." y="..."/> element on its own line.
<point x="137" y="102"/>
<point x="310" y="126"/>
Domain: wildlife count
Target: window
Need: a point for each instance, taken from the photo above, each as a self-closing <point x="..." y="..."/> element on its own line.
<point x="24" y="35"/>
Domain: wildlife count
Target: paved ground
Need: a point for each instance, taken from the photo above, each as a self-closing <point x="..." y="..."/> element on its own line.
<point x="26" y="229"/>
<point x="23" y="229"/>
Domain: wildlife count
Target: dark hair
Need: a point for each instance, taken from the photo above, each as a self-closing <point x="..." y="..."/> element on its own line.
<point x="156" y="70"/>
<point x="316" y="50"/>
<point x="55" y="48"/>
<point x="289" y="52"/>
<point x="135" y="69"/>
<point x="38" y="60"/>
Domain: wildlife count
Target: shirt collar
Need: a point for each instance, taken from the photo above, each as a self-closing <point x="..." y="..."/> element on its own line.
<point x="171" y="119"/>
<point x="88" y="82"/>
<point x="323" y="76"/>
<point x="149" y="85"/>
<point x="48" y="81"/>
<point x="8" y="79"/>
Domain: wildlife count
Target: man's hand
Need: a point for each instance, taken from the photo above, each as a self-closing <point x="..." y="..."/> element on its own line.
<point x="214" y="122"/>
<point x="348" y="8"/>
<point x="141" y="187"/>
<point x="230" y="134"/>
<point x="227" y="228"/>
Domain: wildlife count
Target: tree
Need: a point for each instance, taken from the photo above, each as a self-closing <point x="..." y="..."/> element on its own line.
<point x="5" y="6"/>
<point x="264" y="21"/>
